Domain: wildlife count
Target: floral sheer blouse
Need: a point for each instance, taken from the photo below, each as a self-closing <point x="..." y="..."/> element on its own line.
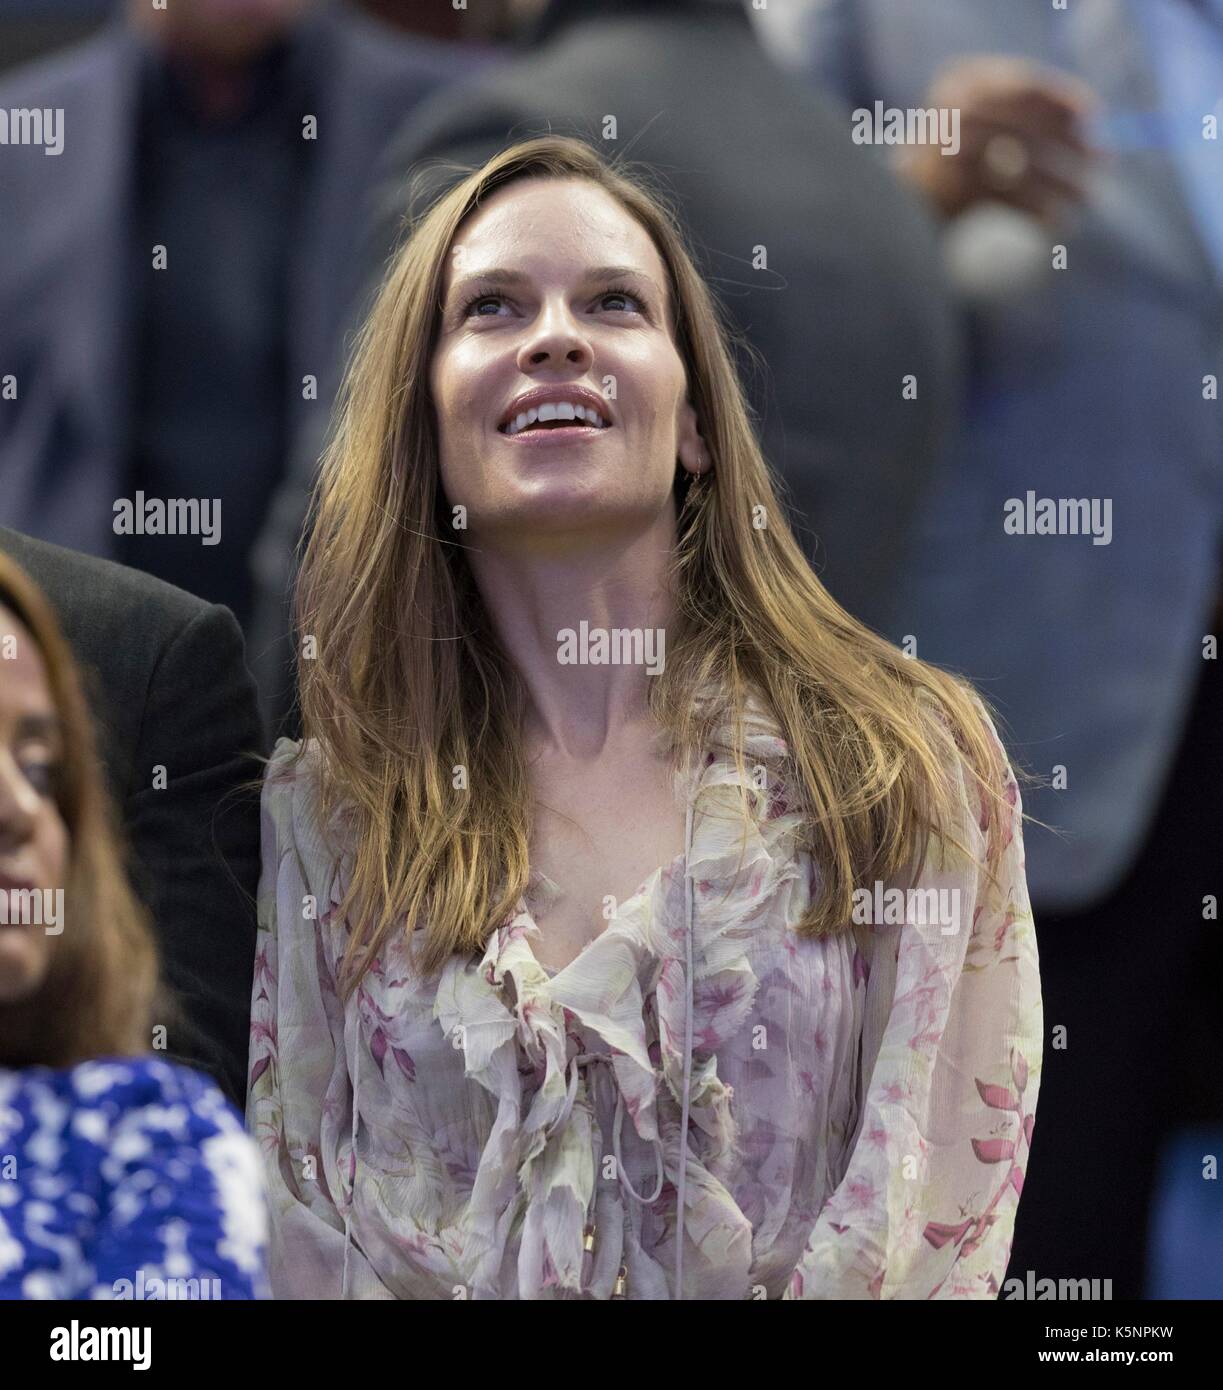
<point x="859" y="1107"/>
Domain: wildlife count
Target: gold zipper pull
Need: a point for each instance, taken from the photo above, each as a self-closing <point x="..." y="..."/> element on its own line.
<point x="621" y="1282"/>
<point x="588" y="1238"/>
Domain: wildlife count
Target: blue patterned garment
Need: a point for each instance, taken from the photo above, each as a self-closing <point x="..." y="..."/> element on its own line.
<point x="126" y="1178"/>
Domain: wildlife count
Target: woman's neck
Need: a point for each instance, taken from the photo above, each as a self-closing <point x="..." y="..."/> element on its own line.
<point x="586" y="626"/>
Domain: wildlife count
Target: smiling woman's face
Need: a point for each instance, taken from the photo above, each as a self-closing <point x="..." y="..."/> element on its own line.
<point x="33" y="837"/>
<point x="559" y="318"/>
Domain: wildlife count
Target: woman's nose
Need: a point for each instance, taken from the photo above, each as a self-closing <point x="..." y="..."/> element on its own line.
<point x="18" y="803"/>
<point x="555" y="336"/>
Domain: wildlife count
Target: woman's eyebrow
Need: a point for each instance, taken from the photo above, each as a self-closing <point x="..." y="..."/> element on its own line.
<point x="517" y="277"/>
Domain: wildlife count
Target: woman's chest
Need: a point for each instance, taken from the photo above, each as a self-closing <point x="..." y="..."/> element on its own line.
<point x="512" y="1097"/>
<point x="594" y="843"/>
<point x="777" y="1026"/>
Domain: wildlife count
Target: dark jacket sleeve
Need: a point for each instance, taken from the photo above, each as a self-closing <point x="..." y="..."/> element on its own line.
<point x="194" y="833"/>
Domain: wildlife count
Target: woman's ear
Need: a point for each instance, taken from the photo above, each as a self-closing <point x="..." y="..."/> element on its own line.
<point x="694" y="455"/>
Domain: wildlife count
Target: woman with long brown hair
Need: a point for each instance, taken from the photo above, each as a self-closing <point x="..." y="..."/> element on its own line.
<point x="634" y="922"/>
<point x="126" y="1176"/>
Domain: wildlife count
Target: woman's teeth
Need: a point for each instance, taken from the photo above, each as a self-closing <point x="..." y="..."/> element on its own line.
<point x="562" y="411"/>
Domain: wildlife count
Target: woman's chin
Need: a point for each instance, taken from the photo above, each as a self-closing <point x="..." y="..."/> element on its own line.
<point x="566" y="506"/>
<point x="22" y="963"/>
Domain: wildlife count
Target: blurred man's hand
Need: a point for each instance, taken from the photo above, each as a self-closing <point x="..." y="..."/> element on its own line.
<point x="1021" y="137"/>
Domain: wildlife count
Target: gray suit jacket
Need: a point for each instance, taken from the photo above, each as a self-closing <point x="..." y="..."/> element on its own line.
<point x="851" y="300"/>
<point x="1086" y="383"/>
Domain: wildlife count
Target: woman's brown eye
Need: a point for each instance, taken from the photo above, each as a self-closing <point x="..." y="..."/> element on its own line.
<point x="635" y="304"/>
<point x="41" y="776"/>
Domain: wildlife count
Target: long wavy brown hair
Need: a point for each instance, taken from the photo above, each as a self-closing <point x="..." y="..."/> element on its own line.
<point x="99" y="992"/>
<point x="403" y="679"/>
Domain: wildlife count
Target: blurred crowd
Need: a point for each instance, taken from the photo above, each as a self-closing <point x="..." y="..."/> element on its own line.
<point x="971" y="253"/>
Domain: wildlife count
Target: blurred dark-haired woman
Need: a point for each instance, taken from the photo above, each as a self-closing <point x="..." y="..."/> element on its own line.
<point x="121" y="1175"/>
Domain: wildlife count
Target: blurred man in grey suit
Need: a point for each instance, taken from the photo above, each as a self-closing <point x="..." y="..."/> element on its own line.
<point x="173" y="279"/>
<point x="827" y="266"/>
<point x="1083" y="222"/>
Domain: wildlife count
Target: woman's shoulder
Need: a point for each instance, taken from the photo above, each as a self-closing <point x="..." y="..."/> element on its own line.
<point x="294" y="761"/>
<point x="964" y="734"/>
<point x="293" y="801"/>
<point x="980" y="782"/>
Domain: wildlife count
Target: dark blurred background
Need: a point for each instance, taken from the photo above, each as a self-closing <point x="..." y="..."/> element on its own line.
<point x="29" y="28"/>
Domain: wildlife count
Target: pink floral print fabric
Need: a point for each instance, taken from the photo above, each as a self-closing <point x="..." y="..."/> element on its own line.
<point x="861" y="1105"/>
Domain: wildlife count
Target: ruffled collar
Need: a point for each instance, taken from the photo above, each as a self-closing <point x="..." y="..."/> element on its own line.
<point x="628" y="990"/>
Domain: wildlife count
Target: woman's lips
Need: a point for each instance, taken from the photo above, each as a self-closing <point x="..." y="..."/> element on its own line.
<point x="554" y="434"/>
<point x="12" y="918"/>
